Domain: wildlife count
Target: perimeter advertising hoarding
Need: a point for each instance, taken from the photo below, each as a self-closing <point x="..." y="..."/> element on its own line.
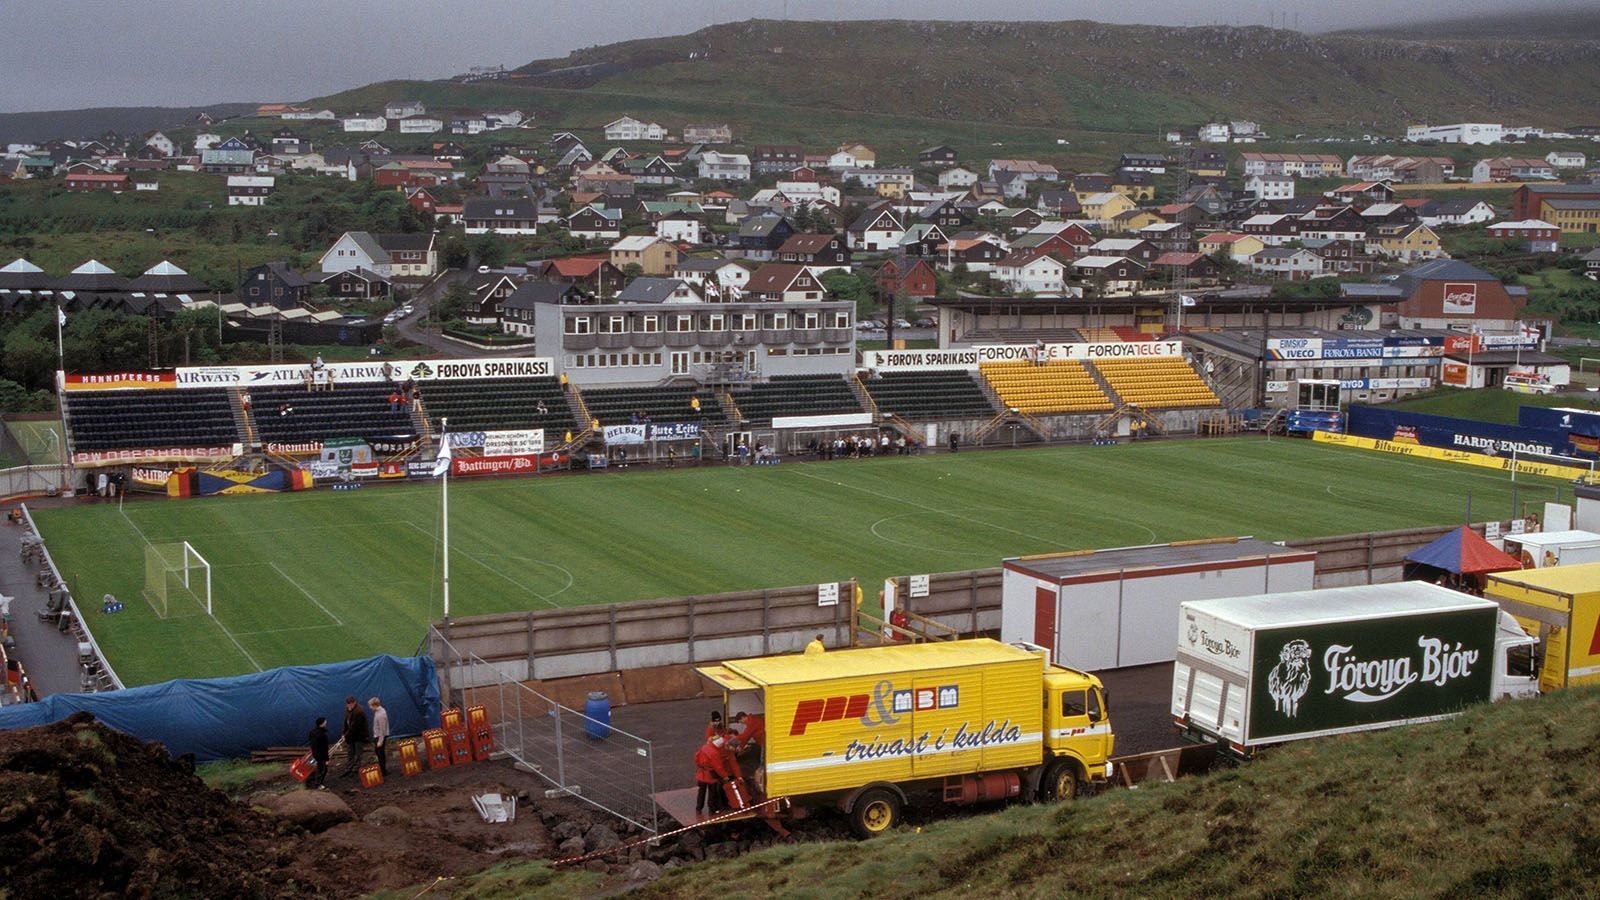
<point x="971" y="357"/>
<point x="1449" y="433"/>
<point x="1314" y="679"/>
<point x="363" y="372"/>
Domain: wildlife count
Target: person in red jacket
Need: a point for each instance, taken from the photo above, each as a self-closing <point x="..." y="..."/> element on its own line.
<point x="710" y="772"/>
<point x="749" y="740"/>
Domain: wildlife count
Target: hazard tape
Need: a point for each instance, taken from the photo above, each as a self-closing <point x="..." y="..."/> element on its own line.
<point x="731" y="814"/>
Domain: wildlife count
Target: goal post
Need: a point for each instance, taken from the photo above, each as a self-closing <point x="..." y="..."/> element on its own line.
<point x="177" y="579"/>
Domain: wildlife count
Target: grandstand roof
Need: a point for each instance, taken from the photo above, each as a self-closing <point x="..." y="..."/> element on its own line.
<point x="92" y="276"/>
<point x="166" y="278"/>
<point x="20" y="274"/>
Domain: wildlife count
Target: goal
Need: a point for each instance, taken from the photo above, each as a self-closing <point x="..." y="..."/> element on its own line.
<point x="177" y="580"/>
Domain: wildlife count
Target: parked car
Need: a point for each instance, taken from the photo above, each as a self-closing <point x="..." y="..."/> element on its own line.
<point x="901" y="323"/>
<point x="926" y="322"/>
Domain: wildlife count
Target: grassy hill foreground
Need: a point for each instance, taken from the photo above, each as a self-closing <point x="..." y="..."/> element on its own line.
<point x="1503" y="801"/>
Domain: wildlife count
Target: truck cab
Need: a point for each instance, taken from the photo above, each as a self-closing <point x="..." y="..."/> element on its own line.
<point x="1077" y="723"/>
<point x="1516" y="673"/>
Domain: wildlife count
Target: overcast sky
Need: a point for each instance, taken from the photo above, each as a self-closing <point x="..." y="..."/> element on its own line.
<point x="69" y="54"/>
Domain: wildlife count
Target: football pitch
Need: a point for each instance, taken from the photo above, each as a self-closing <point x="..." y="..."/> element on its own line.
<point x="331" y="575"/>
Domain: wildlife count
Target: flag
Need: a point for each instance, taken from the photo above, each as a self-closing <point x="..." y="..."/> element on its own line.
<point x="441" y="463"/>
<point x="1188" y="300"/>
<point x="61" y="316"/>
<point x="1531" y="331"/>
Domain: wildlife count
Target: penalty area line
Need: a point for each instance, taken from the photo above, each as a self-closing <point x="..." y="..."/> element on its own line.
<point x="327" y="612"/>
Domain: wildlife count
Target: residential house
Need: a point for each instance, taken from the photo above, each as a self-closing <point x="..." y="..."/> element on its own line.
<point x="508" y="165"/>
<point x="1103" y="208"/>
<point x="96" y="181"/>
<point x="1132" y="248"/>
<point x="924" y="239"/>
<point x="653" y="170"/>
<point x="601" y="178"/>
<point x="595" y="223"/>
<point x="274" y="284"/>
<point x="163" y="146"/>
<point x="876" y="178"/>
<point x="1333" y="223"/>
<point x="1536" y="235"/>
<point x="517" y="310"/>
<point x="250" y="190"/>
<point x="683" y="227"/>
<point x="1566" y="159"/>
<point x="594" y="274"/>
<point x="760" y="236"/>
<point x="1388" y="214"/>
<point x="357" y="284"/>
<point x="401" y="109"/>
<point x="421" y="125"/>
<point x="1059" y="204"/>
<point x="1294" y="165"/>
<point x="505" y="118"/>
<point x="945" y="214"/>
<point x="1136" y="186"/>
<point x="287" y="142"/>
<point x="717" y="166"/>
<point x="448" y="151"/>
<point x="1341" y="256"/>
<point x="1194" y="268"/>
<point x="957" y="177"/>
<point x="232" y="156"/>
<point x="879" y="228"/>
<point x="389" y="255"/>
<point x="1031" y="271"/>
<point x="920" y="280"/>
<point x="1064" y="240"/>
<point x="779" y="282"/>
<point x="1570" y="214"/>
<point x="1512" y="168"/>
<point x="771" y="159"/>
<point x="1459" y="212"/>
<point x="940" y="157"/>
<point x="1286" y="264"/>
<point x="1132" y="220"/>
<point x="1200" y="162"/>
<point x="421" y="200"/>
<point x="1239" y="247"/>
<point x="1408" y="243"/>
<point x="1270" y="187"/>
<point x="1025" y="170"/>
<point x="708" y="134"/>
<point x="1273" y="229"/>
<point x="853" y="156"/>
<point x="1019" y="219"/>
<point x="628" y="128"/>
<point x="1591" y="264"/>
<point x="651" y="254"/>
<point x="658" y="290"/>
<point x="822" y="252"/>
<point x="1153" y="163"/>
<point x="1168" y="237"/>
<point x="364" y="124"/>
<point x="977" y="254"/>
<point x="1109" y="275"/>
<point x="510" y="215"/>
<point x="1362" y="192"/>
<point x="715" y="277"/>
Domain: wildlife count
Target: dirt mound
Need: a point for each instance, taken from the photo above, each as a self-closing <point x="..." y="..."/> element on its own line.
<point x="90" y="812"/>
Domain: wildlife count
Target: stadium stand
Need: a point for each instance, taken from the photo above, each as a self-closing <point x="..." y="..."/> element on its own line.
<point x="1130" y="333"/>
<point x="1059" y="386"/>
<point x="669" y="403"/>
<point x="1164" y="383"/>
<point x="928" y="395"/>
<point x="116" y="420"/>
<point x="1100" y="335"/>
<point x="498" y="404"/>
<point x="350" y="410"/>
<point x="795" y="395"/>
<point x="1026" y="335"/>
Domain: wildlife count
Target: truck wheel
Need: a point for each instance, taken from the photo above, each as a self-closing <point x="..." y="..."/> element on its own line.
<point x="1060" y="781"/>
<point x="874" y="813"/>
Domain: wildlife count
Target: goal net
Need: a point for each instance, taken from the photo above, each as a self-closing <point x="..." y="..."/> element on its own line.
<point x="177" y="580"/>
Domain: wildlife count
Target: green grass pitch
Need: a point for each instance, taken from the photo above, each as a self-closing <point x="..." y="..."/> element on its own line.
<point x="327" y="575"/>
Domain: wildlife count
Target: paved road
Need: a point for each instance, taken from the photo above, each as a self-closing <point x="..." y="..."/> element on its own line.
<point x="411" y="327"/>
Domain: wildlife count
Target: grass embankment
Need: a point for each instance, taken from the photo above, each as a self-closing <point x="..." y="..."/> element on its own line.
<point x="1503" y="801"/>
<point x="1489" y="404"/>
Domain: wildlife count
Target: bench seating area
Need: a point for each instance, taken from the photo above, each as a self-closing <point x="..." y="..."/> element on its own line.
<point x="669" y="403"/>
<point x="795" y="395"/>
<point x="1058" y="386"/>
<point x="348" y="410"/>
<point x="929" y="395"/>
<point x="1163" y="383"/>
<point x="499" y="404"/>
<point x="146" y="419"/>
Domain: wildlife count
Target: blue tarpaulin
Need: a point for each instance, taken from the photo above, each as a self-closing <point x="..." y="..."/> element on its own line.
<point x="226" y="718"/>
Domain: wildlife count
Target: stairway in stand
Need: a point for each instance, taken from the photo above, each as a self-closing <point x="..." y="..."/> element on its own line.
<point x="729" y="408"/>
<point x="243" y="418"/>
<point x="1100" y="379"/>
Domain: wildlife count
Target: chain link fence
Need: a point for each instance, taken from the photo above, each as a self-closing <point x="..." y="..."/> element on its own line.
<point x="579" y="756"/>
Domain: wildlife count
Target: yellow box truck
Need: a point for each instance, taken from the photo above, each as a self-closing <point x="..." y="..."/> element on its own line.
<point x="1560" y="606"/>
<point x="970" y="720"/>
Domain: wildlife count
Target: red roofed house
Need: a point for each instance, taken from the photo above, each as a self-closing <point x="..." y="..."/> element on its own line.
<point x="1540" y="236"/>
<point x="97" y="181"/>
<point x="595" y="274"/>
<point x="1191" y="266"/>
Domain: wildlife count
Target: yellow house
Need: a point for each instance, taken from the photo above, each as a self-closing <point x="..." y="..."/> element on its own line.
<point x="1571" y="215"/>
<point x="1135" y="219"/>
<point x="651" y="254"/>
<point x="1238" y="246"/>
<point x="1105" y="207"/>
<point x="893" y="190"/>
<point x="1410" y="243"/>
<point x="1136" y="192"/>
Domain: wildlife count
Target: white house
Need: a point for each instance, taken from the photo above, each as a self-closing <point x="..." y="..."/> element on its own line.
<point x="807" y="191"/>
<point x="1270" y="187"/>
<point x="400" y="109"/>
<point x="310" y="114"/>
<point x="365" y="123"/>
<point x="1285" y="263"/>
<point x="1460" y="212"/>
<point x="1032" y="270"/>
<point x="628" y="128"/>
<point x="1213" y="133"/>
<point x="357" y="250"/>
<point x="504" y="118"/>
<point x="1566" y="159"/>
<point x="874" y="176"/>
<point x="957" y="178"/>
<point x="206" y="140"/>
<point x="877" y="229"/>
<point x="717" y="166"/>
<point x="500" y="215"/>
<point x="421" y="125"/>
<point x="160" y="143"/>
<point x="683" y="228"/>
<point x="249" y="190"/>
<point x="853" y="156"/>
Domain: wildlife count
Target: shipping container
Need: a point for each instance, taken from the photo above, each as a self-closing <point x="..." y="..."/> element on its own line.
<point x="1261" y="670"/>
<point x="1561" y="606"/>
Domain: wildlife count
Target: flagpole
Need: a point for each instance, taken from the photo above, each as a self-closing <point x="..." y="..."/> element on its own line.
<point x="444" y="428"/>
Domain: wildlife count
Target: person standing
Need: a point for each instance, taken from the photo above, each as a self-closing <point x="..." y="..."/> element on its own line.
<point x="318" y="739"/>
<point x="715" y="725"/>
<point x="816" y="646"/>
<point x="710" y="771"/>
<point x="750" y="738"/>
<point x="354" y="737"/>
<point x="380" y="735"/>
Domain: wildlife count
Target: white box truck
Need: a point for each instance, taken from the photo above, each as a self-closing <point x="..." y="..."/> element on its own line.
<point x="1538" y="549"/>
<point x="1266" y="669"/>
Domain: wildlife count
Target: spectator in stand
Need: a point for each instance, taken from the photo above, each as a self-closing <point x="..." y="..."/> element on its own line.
<point x="394" y="401"/>
<point x="542" y="409"/>
<point x="244" y="400"/>
<point x="380" y="735"/>
<point x="354" y="737"/>
<point x="318" y="739"/>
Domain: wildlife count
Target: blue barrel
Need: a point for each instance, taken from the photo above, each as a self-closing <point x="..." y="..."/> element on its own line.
<point x="598" y="709"/>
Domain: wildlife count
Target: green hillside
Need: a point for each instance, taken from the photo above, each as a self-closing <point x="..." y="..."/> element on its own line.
<point x="1061" y="76"/>
<point x="1499" y="802"/>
